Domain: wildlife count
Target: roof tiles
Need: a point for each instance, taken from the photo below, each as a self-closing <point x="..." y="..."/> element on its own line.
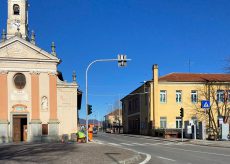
<point x="190" y="77"/>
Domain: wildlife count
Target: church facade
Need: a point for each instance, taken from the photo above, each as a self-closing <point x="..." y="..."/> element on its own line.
<point x="35" y="102"/>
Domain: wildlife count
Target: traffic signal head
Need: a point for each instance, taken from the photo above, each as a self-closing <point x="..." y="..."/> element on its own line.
<point x="182" y="112"/>
<point x="89" y="107"/>
<point x="122" y="60"/>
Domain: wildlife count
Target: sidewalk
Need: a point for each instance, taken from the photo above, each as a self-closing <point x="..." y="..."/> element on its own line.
<point x="65" y="153"/>
<point x="225" y="144"/>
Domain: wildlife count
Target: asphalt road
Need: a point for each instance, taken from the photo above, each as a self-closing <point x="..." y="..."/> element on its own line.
<point x="65" y="153"/>
<point x="165" y="152"/>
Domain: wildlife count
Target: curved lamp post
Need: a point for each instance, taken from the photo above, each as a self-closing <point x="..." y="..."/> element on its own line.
<point x="122" y="61"/>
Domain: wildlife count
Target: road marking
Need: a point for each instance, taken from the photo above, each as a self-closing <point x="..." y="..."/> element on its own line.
<point x="114" y="144"/>
<point x="166" y="158"/>
<point x="147" y="159"/>
<point x="127" y="144"/>
<point x="138" y="144"/>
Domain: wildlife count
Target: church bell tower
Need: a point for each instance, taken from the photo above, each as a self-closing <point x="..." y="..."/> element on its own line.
<point x="17" y="21"/>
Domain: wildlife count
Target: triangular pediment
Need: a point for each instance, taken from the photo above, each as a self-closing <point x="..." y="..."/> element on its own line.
<point x="20" y="49"/>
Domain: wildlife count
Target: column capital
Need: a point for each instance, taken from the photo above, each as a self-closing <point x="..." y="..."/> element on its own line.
<point x="35" y="73"/>
<point x="52" y="73"/>
<point x="4" y="72"/>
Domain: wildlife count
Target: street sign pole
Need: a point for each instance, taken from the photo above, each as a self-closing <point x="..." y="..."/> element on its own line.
<point x="204" y="138"/>
<point x="205" y="104"/>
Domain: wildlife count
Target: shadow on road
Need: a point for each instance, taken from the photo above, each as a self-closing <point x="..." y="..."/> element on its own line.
<point x="42" y="152"/>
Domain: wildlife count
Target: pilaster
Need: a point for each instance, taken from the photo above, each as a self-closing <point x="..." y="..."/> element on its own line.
<point x="4" y="135"/>
<point x="35" y="95"/>
<point x="36" y="130"/>
<point x="53" y="121"/>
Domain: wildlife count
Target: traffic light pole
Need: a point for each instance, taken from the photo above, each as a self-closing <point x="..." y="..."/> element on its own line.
<point x="182" y="116"/>
<point x="182" y="135"/>
<point x="86" y="86"/>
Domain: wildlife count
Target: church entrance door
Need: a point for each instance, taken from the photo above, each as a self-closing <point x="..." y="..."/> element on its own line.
<point x="19" y="128"/>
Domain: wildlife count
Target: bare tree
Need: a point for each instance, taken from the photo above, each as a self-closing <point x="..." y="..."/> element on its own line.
<point x="218" y="94"/>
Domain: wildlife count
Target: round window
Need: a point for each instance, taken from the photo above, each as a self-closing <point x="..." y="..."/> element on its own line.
<point x="19" y="80"/>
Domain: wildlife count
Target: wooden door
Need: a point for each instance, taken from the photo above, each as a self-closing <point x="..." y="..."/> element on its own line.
<point x="16" y="129"/>
<point x="24" y="132"/>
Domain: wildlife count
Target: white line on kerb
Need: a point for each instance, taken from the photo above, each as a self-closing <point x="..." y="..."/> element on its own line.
<point x="147" y="159"/>
<point x="166" y="158"/>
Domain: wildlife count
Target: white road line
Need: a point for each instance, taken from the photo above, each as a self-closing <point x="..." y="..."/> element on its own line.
<point x="147" y="159"/>
<point x="114" y="144"/>
<point x="166" y="158"/>
<point x="127" y="144"/>
<point x="138" y="144"/>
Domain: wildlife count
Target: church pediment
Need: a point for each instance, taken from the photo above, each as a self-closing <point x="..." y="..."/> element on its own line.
<point x="19" y="49"/>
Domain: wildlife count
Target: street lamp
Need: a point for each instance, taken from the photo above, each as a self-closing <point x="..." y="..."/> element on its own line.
<point x="122" y="60"/>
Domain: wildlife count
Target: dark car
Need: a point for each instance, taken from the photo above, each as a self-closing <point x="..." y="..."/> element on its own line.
<point x="94" y="130"/>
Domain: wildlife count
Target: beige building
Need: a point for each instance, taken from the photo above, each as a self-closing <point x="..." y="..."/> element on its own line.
<point x="156" y="104"/>
<point x="35" y="102"/>
<point x="113" y="120"/>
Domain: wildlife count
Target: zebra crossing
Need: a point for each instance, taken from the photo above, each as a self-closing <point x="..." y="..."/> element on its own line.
<point x="130" y="144"/>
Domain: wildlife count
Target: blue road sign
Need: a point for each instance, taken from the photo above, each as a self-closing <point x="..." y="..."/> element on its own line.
<point x="205" y="104"/>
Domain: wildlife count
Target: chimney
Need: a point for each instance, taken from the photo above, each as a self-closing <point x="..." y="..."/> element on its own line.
<point x="155" y="73"/>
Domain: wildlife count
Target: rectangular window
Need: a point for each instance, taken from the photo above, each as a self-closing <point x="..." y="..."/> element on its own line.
<point x="194" y="96"/>
<point x="163" y="122"/>
<point x="220" y="95"/>
<point x="178" y="96"/>
<point x="44" y="129"/>
<point x="178" y="122"/>
<point x="163" y="95"/>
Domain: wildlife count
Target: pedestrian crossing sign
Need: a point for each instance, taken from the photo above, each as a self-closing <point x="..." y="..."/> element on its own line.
<point x="205" y="104"/>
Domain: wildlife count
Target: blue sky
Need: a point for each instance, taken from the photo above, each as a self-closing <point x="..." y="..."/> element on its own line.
<point x="164" y="32"/>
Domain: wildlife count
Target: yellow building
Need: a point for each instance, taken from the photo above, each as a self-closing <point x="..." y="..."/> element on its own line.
<point x="157" y="103"/>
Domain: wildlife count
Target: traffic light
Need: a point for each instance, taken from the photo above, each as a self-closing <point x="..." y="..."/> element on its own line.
<point x="182" y="112"/>
<point x="122" y="60"/>
<point x="89" y="107"/>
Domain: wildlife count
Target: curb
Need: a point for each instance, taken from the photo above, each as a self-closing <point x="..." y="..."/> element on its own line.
<point x="210" y="145"/>
<point x="133" y="159"/>
<point x="130" y="160"/>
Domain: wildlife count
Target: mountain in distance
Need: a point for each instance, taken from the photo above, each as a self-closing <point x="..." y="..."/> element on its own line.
<point x="90" y="121"/>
